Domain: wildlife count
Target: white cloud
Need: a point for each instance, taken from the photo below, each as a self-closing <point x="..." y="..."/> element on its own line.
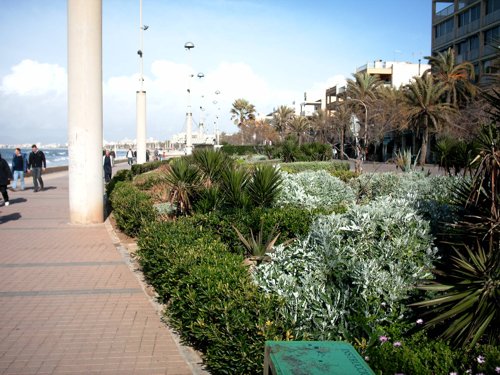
<point x="33" y="78"/>
<point x="33" y="100"/>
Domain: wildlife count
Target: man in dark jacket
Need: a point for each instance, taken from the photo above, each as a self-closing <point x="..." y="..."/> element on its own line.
<point x="19" y="164"/>
<point x="5" y="176"/>
<point x="37" y="164"/>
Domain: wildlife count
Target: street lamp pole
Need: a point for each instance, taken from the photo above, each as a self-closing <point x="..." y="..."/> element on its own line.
<point x="189" y="114"/>
<point x="217" y="92"/>
<point x="365" y="137"/>
<point x="141" y="97"/>
<point x="202" y="121"/>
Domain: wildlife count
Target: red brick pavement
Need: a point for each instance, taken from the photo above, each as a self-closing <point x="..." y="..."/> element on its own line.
<point x="69" y="301"/>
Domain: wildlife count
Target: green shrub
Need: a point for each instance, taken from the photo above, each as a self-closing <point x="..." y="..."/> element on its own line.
<point x="315" y="151"/>
<point x="121" y="175"/>
<point x="301" y="166"/>
<point x="132" y="208"/>
<point x="147" y="180"/>
<point x="415" y="355"/>
<point x="167" y="250"/>
<point x="218" y="309"/>
<point x="244" y="149"/>
<point x="146" y="167"/>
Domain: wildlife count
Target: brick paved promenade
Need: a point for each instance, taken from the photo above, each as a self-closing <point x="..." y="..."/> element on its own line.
<point x="69" y="303"/>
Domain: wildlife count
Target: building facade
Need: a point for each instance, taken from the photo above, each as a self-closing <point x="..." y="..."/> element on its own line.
<point x="470" y="27"/>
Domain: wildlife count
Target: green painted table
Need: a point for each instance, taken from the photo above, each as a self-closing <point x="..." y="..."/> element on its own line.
<point x="313" y="358"/>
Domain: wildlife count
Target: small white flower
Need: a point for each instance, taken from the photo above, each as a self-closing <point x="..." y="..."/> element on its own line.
<point x="420" y="321"/>
<point x="480" y="359"/>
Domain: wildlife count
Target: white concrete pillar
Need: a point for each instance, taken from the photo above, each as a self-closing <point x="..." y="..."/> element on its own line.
<point x="86" y="185"/>
<point x="141" y="127"/>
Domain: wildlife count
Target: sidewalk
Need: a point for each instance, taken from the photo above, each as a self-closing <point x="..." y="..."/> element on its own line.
<point x="69" y="302"/>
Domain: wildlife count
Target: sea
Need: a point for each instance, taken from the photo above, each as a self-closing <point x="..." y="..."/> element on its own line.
<point x="55" y="157"/>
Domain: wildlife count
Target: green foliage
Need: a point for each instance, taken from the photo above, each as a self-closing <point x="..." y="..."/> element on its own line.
<point x="315" y="151"/>
<point x="138" y="169"/>
<point x="209" y="199"/>
<point x="121" y="175"/>
<point x="454" y="154"/>
<point x="245" y="149"/>
<point x="131" y="207"/>
<point x="234" y="187"/>
<point x="212" y="301"/>
<point x="211" y="163"/>
<point x="416" y="355"/>
<point x="330" y="166"/>
<point x="290" y="150"/>
<point x="147" y="180"/>
<point x="264" y="186"/>
<point x="468" y="302"/>
<point x="184" y="181"/>
<point x="404" y="161"/>
<point x="353" y="271"/>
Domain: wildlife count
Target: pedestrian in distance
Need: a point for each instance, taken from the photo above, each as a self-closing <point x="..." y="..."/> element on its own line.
<point x="5" y="177"/>
<point x="37" y="164"/>
<point x="108" y="163"/>
<point x="19" y="168"/>
<point x="130" y="156"/>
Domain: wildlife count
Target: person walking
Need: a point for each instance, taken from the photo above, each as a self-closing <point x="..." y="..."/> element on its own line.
<point x="5" y="176"/>
<point x="19" y="167"/>
<point x="37" y="164"/>
<point x="130" y="156"/>
<point x="108" y="163"/>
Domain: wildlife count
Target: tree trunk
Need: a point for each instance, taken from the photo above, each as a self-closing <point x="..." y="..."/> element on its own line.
<point x="423" y="150"/>
<point x="342" y="134"/>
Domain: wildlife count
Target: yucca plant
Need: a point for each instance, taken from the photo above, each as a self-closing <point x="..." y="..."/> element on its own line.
<point x="264" y="186"/>
<point x="183" y="180"/>
<point x="403" y="160"/>
<point x="466" y="307"/>
<point x="211" y="163"/>
<point x="233" y="186"/>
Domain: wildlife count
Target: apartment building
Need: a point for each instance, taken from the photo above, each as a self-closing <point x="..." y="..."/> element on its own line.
<point x="393" y="73"/>
<point x="470" y="27"/>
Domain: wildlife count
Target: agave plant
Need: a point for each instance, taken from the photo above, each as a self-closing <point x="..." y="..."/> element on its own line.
<point x="403" y="160"/>
<point x="466" y="308"/>
<point x="259" y="246"/>
<point x="265" y="186"/>
<point x="183" y="180"/>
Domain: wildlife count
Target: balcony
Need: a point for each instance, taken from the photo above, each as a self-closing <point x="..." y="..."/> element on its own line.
<point x="443" y="39"/>
<point x="442" y="14"/>
<point x="491" y="18"/>
<point x="467" y="29"/>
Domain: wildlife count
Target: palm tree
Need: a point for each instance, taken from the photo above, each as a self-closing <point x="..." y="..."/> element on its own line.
<point x="241" y="112"/>
<point x="341" y="119"/>
<point x="321" y="124"/>
<point x="298" y="126"/>
<point x="281" y="118"/>
<point x="363" y="88"/>
<point x="457" y="78"/>
<point x="426" y="111"/>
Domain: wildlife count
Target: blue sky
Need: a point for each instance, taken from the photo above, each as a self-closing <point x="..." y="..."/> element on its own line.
<point x="268" y="52"/>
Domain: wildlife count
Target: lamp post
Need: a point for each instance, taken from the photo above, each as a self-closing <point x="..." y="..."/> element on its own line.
<point x="141" y="97"/>
<point x="217" y="92"/>
<point x="202" y="122"/>
<point x="365" y="136"/>
<point x="189" y="114"/>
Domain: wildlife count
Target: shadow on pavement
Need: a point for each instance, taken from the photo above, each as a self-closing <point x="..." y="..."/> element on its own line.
<point x="49" y="188"/>
<point x="10" y="217"/>
<point x="18" y="200"/>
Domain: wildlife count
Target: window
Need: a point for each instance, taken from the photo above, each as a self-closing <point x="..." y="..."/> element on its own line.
<point x="492" y="6"/>
<point x="463" y="19"/>
<point x="463" y="47"/>
<point x="492" y="36"/>
<point x="475" y="13"/>
<point x="443" y="28"/>
<point x="474" y="43"/>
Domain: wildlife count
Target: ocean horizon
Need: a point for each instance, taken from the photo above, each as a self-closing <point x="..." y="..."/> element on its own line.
<point x="55" y="157"/>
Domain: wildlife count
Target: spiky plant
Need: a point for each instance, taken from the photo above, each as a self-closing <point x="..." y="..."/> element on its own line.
<point x="466" y="307"/>
<point x="183" y="180"/>
<point x="211" y="163"/>
<point x="233" y="186"/>
<point x="264" y="186"/>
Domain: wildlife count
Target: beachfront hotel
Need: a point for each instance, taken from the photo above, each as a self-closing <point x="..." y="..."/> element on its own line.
<point x="470" y="27"/>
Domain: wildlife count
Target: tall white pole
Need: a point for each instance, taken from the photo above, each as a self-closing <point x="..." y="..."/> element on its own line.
<point x="189" y="114"/>
<point x="141" y="98"/>
<point x="86" y="184"/>
<point x="201" y="125"/>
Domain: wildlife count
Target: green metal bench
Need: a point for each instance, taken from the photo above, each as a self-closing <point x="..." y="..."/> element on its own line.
<point x="313" y="358"/>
